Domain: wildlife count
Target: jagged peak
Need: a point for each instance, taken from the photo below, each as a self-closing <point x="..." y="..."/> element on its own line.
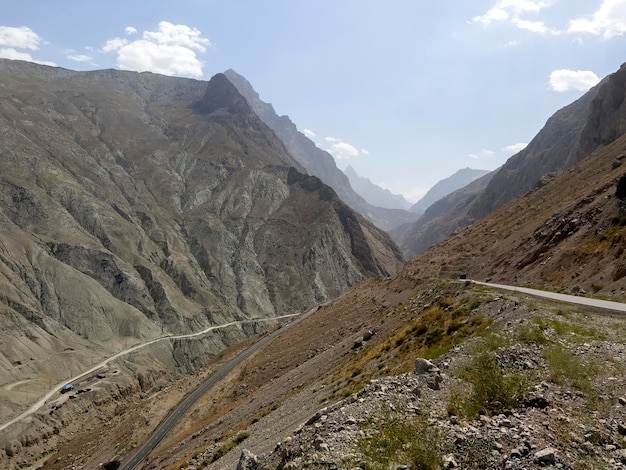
<point x="221" y="94"/>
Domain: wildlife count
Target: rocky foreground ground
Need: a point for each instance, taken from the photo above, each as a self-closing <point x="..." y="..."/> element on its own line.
<point x="540" y="389"/>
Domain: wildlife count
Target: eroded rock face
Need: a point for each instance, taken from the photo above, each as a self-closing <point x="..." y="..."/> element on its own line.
<point x="134" y="205"/>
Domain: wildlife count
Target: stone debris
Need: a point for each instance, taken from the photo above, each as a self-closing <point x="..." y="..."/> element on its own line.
<point x="552" y="429"/>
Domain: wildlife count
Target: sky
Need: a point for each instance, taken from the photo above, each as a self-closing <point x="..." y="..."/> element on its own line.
<point x="406" y="92"/>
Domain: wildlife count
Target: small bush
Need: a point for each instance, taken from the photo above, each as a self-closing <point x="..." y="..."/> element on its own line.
<point x="226" y="448"/>
<point x="568" y="369"/>
<point x="489" y="388"/>
<point x="531" y="334"/>
<point x="398" y="439"/>
<point x="491" y="342"/>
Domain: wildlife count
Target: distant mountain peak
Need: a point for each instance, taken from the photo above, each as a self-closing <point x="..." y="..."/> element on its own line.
<point x="221" y="94"/>
<point x="457" y="180"/>
<point x="374" y="194"/>
<point x="316" y="161"/>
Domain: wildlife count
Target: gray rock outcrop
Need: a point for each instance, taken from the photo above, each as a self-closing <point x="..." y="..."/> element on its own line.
<point x="135" y="205"/>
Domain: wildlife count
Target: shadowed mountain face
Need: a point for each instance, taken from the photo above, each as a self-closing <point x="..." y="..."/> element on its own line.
<point x="572" y="133"/>
<point x="458" y="180"/>
<point x="136" y="204"/>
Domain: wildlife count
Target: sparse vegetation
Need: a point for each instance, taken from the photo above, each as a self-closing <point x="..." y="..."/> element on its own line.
<point x="393" y="440"/>
<point x="568" y="369"/>
<point x="571" y="331"/>
<point x="531" y="333"/>
<point x="437" y="329"/>
<point x="226" y="448"/>
<point x="486" y="387"/>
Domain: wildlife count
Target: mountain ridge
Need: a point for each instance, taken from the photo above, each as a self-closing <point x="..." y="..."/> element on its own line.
<point x="566" y="137"/>
<point x="135" y="205"/>
<point x="374" y="194"/>
<point x="316" y="161"/>
<point x="442" y="188"/>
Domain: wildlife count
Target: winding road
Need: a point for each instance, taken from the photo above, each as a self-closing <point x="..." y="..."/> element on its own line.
<point x="142" y="452"/>
<point x="572" y="299"/>
<point x="56" y="389"/>
<point x="168" y="423"/>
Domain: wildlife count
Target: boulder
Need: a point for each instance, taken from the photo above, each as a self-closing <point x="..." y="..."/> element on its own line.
<point x="247" y="461"/>
<point x="424" y="366"/>
<point x="546" y="456"/>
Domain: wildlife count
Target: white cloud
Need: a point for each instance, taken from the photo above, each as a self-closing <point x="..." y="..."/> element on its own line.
<point x="514" y="148"/>
<point x="13" y="54"/>
<point x="20" y="38"/>
<point x="343" y="151"/>
<point x="484" y="153"/>
<point x="495" y="14"/>
<point x="309" y="133"/>
<point x="509" y="9"/>
<point x="512" y="11"/>
<point x="566" y="80"/>
<point x="609" y="20"/>
<point x="171" y="50"/>
<point x="114" y="44"/>
<point x="80" y="57"/>
<point x="177" y="35"/>
<point x="12" y="39"/>
<point x="365" y="152"/>
<point x="130" y="30"/>
<point x="533" y="26"/>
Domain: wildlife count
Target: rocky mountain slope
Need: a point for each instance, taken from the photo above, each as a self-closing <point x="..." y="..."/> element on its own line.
<point x="440" y="219"/>
<point x="316" y="161"/>
<point x="446" y="186"/>
<point x="569" y="135"/>
<point x="137" y="205"/>
<point x="517" y="382"/>
<point x="374" y="194"/>
<point x="343" y="389"/>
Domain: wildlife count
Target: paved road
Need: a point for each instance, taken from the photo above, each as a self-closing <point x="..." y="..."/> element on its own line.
<point x="573" y="299"/>
<point x="142" y="452"/>
<point x="168" y="423"/>
<point x="55" y="389"/>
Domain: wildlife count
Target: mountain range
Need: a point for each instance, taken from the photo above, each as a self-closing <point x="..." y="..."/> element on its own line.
<point x="570" y="134"/>
<point x="137" y="206"/>
<point x="316" y="161"/>
<point x="374" y="194"/>
<point x="446" y="186"/>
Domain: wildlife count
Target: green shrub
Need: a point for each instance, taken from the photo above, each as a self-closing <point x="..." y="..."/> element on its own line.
<point x="488" y="387"/>
<point x="399" y="439"/>
<point x="568" y="369"/>
<point x="531" y="334"/>
<point x="226" y="448"/>
<point x="572" y="329"/>
<point x="490" y="342"/>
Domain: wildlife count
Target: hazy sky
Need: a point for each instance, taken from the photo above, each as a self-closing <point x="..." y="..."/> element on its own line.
<point x="406" y="91"/>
